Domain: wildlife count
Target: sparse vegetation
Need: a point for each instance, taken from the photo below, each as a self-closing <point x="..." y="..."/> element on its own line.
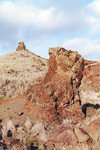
<point x="18" y="70"/>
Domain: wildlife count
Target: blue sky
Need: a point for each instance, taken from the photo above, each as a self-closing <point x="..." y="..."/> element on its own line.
<point x="72" y="24"/>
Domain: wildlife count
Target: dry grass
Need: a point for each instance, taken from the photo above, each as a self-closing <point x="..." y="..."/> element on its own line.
<point x="18" y="70"/>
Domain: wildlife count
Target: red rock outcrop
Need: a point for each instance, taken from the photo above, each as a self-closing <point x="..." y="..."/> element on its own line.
<point x="59" y="89"/>
<point x="53" y="119"/>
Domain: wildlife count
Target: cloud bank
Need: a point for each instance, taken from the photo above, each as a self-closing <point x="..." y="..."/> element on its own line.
<point x="74" y="24"/>
<point x="87" y="48"/>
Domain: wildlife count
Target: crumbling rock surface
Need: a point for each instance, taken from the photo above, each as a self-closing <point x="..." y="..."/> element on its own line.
<point x="61" y="112"/>
<point x="59" y="89"/>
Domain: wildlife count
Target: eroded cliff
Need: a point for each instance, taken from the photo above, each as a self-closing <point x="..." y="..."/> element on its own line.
<point x="60" y="88"/>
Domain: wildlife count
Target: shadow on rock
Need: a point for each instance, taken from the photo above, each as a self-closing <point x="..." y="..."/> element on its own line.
<point x="3" y="145"/>
<point x="87" y="105"/>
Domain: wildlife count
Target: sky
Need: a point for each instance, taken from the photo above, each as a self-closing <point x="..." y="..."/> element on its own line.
<point x="41" y="24"/>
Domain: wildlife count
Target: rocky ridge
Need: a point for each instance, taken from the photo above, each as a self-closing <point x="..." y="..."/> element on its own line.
<point x="21" y="46"/>
<point x="61" y="112"/>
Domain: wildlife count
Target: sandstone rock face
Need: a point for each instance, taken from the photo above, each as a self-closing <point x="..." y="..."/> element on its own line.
<point x="90" y="85"/>
<point x="21" y="46"/>
<point x="90" y="88"/>
<point x="60" y="86"/>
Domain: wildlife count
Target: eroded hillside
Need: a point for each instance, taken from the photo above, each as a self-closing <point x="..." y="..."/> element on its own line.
<point x="61" y="112"/>
<point x="18" y="70"/>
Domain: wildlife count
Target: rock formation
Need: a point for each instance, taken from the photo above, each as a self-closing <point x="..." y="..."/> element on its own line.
<point x="21" y="46"/>
<point x="61" y="112"/>
<point x="60" y="87"/>
<point x="90" y="88"/>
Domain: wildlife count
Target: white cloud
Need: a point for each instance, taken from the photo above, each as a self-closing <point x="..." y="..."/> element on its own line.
<point x="21" y="20"/>
<point x="49" y="22"/>
<point x="94" y="7"/>
<point x="92" y="11"/>
<point x="90" y="49"/>
<point x="52" y="19"/>
<point x="30" y="16"/>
